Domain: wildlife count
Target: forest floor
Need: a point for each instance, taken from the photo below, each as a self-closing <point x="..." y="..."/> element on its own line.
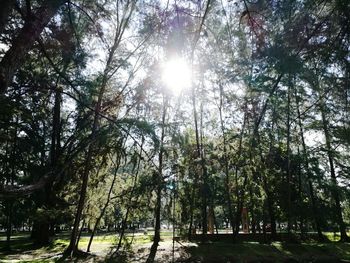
<point x="102" y="250"/>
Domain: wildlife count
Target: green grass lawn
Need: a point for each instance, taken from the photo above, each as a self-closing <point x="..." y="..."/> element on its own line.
<point x="24" y="251"/>
<point x="102" y="243"/>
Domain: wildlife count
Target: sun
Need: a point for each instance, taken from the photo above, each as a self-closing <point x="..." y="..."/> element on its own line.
<point x="176" y="75"/>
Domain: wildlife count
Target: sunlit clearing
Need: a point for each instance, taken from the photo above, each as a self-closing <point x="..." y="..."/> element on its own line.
<point x="176" y="75"/>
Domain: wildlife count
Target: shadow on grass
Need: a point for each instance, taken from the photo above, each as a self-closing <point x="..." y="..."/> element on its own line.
<point x="342" y="249"/>
<point x="23" y="249"/>
<point x="79" y="256"/>
<point x="18" y="246"/>
<point x="209" y="252"/>
<point x="117" y="258"/>
<point x="266" y="253"/>
<point x="121" y="256"/>
<point x="226" y="252"/>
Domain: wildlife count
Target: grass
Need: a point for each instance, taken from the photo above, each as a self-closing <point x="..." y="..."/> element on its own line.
<point x="23" y="249"/>
<point x="102" y="242"/>
<point x="274" y="252"/>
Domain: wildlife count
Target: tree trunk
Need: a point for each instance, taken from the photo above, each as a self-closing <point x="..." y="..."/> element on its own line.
<point x="226" y="164"/>
<point x="190" y="228"/>
<point x="9" y="205"/>
<point x="85" y="178"/>
<point x="159" y="177"/>
<point x="125" y="220"/>
<point x="271" y="210"/>
<point x="23" y="42"/>
<point x="264" y="222"/>
<point x="204" y="186"/>
<point x="80" y="232"/>
<point x="301" y="223"/>
<point x="289" y="201"/>
<point x="239" y="197"/>
<point x="44" y="227"/>
<point x="105" y="205"/>
<point x="87" y="164"/>
<point x="40" y="232"/>
<point x="156" y="237"/>
<point x="251" y="208"/>
<point x="343" y="236"/>
<point x="309" y="179"/>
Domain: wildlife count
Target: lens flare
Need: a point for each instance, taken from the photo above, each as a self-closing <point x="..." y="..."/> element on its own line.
<point x="176" y="75"/>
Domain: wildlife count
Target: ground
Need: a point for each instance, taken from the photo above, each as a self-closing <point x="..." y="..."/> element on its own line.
<point x="102" y="250"/>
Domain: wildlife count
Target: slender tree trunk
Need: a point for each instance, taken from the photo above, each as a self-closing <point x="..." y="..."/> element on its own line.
<point x="87" y="165"/>
<point x="226" y="164"/>
<point x="105" y="205"/>
<point x="9" y="224"/>
<point x="55" y="152"/>
<point x="269" y="201"/>
<point x="192" y="199"/>
<point x="73" y="240"/>
<point x="11" y="180"/>
<point x="314" y="205"/>
<point x="343" y="236"/>
<point x="96" y="119"/>
<point x="213" y="224"/>
<point x="251" y="208"/>
<point x="124" y="225"/>
<point x="289" y="201"/>
<point x="204" y="186"/>
<point x="240" y="203"/>
<point x="125" y="220"/>
<point x="159" y="182"/>
<point x="156" y="237"/>
<point x="80" y="232"/>
<point x="270" y="207"/>
<point x="206" y="195"/>
<point x="239" y="197"/>
<point x="264" y="222"/>
<point x="269" y="195"/>
<point x="301" y="224"/>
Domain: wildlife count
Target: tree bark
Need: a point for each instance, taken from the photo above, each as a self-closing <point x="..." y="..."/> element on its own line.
<point x="203" y="187"/>
<point x="301" y="214"/>
<point x="159" y="183"/>
<point x="105" y="205"/>
<point x="240" y="196"/>
<point x="23" y="42"/>
<point x="309" y="179"/>
<point x="289" y="201"/>
<point x="125" y="220"/>
<point x="192" y="201"/>
<point x="271" y="210"/>
<point x="8" y="206"/>
<point x="226" y="163"/>
<point x="343" y="236"/>
<point x="44" y="227"/>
